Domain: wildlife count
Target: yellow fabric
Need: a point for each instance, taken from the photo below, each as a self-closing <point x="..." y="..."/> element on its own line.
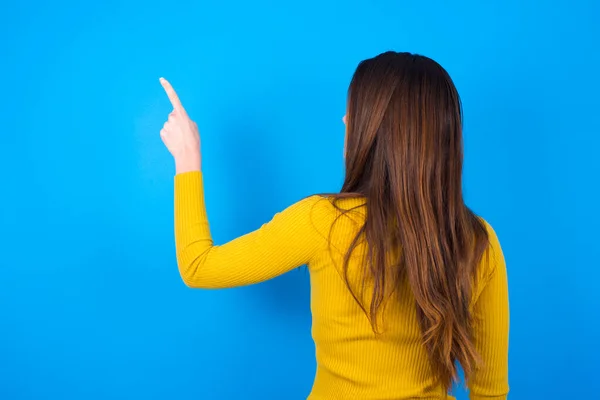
<point x="352" y="362"/>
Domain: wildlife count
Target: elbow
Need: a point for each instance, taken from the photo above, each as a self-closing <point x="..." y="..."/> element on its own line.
<point x="196" y="263"/>
<point x="188" y="275"/>
<point x="187" y="269"/>
<point x="191" y="269"/>
<point x="188" y="281"/>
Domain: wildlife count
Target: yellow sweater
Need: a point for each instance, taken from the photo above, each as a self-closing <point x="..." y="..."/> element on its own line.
<point x="352" y="362"/>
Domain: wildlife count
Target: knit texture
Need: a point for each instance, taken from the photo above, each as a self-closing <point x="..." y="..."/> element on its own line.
<point x="353" y="362"/>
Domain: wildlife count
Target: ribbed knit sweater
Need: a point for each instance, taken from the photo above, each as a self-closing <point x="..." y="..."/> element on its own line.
<point x="353" y="362"/>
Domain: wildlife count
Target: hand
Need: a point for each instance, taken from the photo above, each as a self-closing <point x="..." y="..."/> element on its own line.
<point x="180" y="134"/>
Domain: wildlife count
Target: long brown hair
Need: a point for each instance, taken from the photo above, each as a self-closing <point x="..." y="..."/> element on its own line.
<point x="404" y="156"/>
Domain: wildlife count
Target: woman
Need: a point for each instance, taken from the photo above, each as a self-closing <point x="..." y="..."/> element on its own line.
<point x="407" y="283"/>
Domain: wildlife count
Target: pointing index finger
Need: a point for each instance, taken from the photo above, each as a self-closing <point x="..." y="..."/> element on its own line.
<point x="177" y="106"/>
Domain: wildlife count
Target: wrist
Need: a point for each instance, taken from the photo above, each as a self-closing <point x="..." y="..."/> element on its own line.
<point x="187" y="164"/>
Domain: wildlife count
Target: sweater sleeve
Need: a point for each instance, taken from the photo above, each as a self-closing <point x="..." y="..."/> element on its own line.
<point x="286" y="242"/>
<point x="491" y="328"/>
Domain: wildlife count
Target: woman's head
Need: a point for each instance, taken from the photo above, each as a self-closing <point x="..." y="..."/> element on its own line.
<point x="403" y="111"/>
<point x="404" y="155"/>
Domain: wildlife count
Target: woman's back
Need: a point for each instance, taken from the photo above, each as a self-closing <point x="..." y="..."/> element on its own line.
<point x="353" y="362"/>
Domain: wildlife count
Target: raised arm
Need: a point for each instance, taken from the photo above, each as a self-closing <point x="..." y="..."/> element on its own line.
<point x="288" y="241"/>
<point x="491" y="323"/>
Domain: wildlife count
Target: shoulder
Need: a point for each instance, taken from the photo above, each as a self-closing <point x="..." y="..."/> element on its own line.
<point x="325" y="209"/>
<point x="310" y="206"/>
<point x="328" y="206"/>
<point x="494" y="242"/>
<point x="314" y="210"/>
<point x="327" y="216"/>
<point x="493" y="257"/>
<point x="491" y="262"/>
<point x="305" y="210"/>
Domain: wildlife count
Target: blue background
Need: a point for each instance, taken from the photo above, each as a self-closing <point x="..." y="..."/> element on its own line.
<point x="91" y="303"/>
